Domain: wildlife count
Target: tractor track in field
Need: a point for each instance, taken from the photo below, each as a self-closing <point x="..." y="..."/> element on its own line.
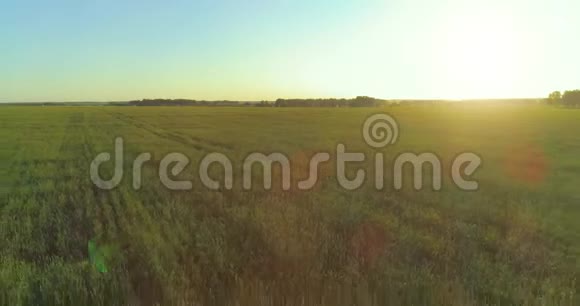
<point x="58" y="209"/>
<point x="195" y="142"/>
<point x="125" y="206"/>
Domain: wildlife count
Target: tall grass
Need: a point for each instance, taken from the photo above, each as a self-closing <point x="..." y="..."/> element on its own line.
<point x="513" y="242"/>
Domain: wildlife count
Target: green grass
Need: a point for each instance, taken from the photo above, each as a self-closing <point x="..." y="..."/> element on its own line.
<point x="516" y="241"/>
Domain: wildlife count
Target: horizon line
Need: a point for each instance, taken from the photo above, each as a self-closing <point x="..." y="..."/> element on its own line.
<point x="268" y="100"/>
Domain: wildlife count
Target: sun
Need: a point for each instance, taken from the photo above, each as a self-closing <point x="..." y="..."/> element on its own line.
<point x="480" y="56"/>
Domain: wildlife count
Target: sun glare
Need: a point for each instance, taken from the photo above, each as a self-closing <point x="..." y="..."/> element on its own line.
<point x="480" y="57"/>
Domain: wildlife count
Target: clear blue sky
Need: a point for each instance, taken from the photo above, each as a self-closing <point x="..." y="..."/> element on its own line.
<point x="105" y="50"/>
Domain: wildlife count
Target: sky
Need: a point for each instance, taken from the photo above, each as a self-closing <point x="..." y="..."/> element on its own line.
<point x="118" y="50"/>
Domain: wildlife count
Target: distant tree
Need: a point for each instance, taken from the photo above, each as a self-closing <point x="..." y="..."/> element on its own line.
<point x="180" y="102"/>
<point x="361" y="101"/>
<point x="364" y="101"/>
<point x="571" y="98"/>
<point x="264" y="104"/>
<point x="555" y="98"/>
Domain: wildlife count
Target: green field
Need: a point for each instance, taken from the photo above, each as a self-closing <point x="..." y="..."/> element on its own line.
<point x="515" y="241"/>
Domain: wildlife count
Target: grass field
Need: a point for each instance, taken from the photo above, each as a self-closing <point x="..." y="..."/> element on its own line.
<point x="516" y="241"/>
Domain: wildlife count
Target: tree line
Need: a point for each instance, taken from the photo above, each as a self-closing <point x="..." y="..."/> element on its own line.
<point x="360" y="101"/>
<point x="570" y="98"/>
<point x="179" y="102"/>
